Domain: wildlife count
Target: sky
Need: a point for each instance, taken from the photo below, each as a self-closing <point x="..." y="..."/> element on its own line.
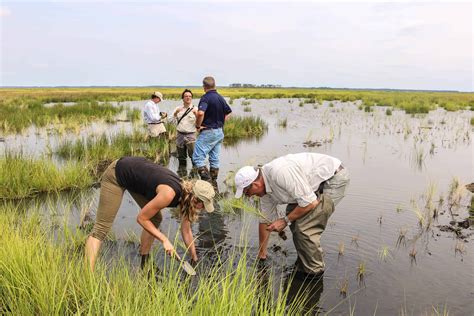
<point x="402" y="45"/>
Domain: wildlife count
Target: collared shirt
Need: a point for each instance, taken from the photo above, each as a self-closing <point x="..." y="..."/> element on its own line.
<point x="151" y="113"/>
<point x="188" y="123"/>
<point x="215" y="109"/>
<point x="294" y="178"/>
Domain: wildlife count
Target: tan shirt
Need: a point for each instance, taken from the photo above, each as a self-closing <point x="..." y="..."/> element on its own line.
<point x="188" y="123"/>
<point x="294" y="178"/>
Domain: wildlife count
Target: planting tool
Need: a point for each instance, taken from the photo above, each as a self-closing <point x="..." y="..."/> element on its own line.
<point x="184" y="264"/>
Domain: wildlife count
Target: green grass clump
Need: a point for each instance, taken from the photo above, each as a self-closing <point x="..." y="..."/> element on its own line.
<point x="388" y="112"/>
<point x="104" y="148"/>
<point x="46" y="275"/>
<point x="19" y="114"/>
<point x="243" y="127"/>
<point x="22" y="177"/>
<point x="472" y="120"/>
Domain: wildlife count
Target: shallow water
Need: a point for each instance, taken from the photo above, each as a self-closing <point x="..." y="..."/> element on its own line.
<point x="392" y="161"/>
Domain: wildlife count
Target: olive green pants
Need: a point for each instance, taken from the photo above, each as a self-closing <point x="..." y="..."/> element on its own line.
<point x="111" y="194"/>
<point x="307" y="235"/>
<point x="308" y="229"/>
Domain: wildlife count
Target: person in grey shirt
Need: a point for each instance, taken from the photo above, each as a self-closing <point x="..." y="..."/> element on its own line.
<point x="311" y="184"/>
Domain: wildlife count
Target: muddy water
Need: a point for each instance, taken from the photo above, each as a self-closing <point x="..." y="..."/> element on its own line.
<point x="392" y="161"/>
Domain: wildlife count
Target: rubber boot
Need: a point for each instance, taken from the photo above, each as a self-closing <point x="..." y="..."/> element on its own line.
<point x="190" y="149"/>
<point x="145" y="259"/>
<point x="204" y="173"/>
<point x="182" y="155"/>
<point x="214" y="172"/>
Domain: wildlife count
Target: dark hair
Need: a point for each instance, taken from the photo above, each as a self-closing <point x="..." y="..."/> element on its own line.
<point x="209" y="82"/>
<point x="186" y="90"/>
<point x="155" y="96"/>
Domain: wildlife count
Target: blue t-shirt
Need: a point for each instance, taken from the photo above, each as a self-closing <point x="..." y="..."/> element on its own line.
<point x="215" y="109"/>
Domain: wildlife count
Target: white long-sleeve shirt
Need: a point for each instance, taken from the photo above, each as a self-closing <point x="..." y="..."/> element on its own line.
<point x="151" y="113"/>
<point x="294" y="178"/>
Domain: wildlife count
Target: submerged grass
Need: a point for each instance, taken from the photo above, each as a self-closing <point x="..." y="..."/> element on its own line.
<point x="22" y="177"/>
<point x="43" y="275"/>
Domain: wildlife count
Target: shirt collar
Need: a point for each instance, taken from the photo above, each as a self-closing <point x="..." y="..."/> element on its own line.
<point x="268" y="188"/>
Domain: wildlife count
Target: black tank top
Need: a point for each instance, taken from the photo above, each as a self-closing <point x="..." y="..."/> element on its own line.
<point x="142" y="176"/>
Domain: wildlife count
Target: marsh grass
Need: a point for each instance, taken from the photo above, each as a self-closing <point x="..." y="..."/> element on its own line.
<point x="283" y="123"/>
<point x="44" y="275"/>
<point x="106" y="148"/>
<point x="384" y="253"/>
<point x="247" y="109"/>
<point x="22" y="177"/>
<point x="361" y="272"/>
<point x="243" y="127"/>
<point x="19" y="114"/>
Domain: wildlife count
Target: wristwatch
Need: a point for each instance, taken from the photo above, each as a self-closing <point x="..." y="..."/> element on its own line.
<point x="287" y="220"/>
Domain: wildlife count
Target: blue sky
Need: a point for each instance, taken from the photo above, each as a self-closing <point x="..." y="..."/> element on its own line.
<point x="424" y="45"/>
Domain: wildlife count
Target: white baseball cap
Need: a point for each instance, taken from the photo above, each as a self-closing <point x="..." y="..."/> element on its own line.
<point x="243" y="178"/>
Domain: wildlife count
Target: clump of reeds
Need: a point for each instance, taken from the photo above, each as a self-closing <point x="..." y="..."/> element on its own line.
<point x="341" y="248"/>
<point x="388" y="112"/>
<point x="243" y="127"/>
<point x="247" y="109"/>
<point x="402" y="237"/>
<point x="19" y="114"/>
<point x="343" y="287"/>
<point x="23" y="177"/>
<point x="384" y="253"/>
<point x="283" y="123"/>
<point x="355" y="240"/>
<point x="361" y="272"/>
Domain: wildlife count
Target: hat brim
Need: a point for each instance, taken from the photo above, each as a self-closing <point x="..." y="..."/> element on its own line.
<point x="208" y="206"/>
<point x="239" y="192"/>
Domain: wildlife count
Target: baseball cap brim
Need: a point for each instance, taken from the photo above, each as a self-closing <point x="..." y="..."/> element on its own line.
<point x="239" y="192"/>
<point x="208" y="206"/>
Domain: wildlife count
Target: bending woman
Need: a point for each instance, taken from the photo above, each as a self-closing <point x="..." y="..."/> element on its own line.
<point x="153" y="187"/>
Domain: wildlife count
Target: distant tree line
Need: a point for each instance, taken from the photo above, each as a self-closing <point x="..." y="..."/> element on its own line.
<point x="249" y="85"/>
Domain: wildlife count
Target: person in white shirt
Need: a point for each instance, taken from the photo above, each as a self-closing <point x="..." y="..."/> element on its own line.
<point x="185" y="116"/>
<point x="153" y="117"/>
<point x="311" y="184"/>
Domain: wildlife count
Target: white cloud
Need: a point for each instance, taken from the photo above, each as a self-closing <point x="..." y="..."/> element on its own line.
<point x="4" y="11"/>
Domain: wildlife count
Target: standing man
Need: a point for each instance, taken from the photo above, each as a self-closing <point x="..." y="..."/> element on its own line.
<point x="213" y="110"/>
<point x="299" y="181"/>
<point x="185" y="116"/>
<point x="153" y="117"/>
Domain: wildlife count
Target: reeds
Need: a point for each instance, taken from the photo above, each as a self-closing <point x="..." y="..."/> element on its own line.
<point x="43" y="275"/>
<point x="24" y="177"/>
<point x="243" y="127"/>
<point x="105" y="148"/>
<point x="19" y="114"/>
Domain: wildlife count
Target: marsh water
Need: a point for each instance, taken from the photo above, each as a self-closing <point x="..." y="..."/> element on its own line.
<point x="394" y="162"/>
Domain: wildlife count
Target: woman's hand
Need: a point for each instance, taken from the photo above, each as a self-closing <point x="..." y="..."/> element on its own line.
<point x="169" y="249"/>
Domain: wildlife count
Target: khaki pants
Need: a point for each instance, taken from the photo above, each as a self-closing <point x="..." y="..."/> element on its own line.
<point x="111" y="194"/>
<point x="155" y="130"/>
<point x="308" y="229"/>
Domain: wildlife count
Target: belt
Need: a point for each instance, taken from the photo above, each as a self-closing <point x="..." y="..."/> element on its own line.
<point x="186" y="133"/>
<point x="155" y="123"/>
<point x="320" y="188"/>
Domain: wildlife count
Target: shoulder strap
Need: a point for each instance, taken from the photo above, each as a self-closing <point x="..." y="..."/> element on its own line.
<point x="185" y="113"/>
